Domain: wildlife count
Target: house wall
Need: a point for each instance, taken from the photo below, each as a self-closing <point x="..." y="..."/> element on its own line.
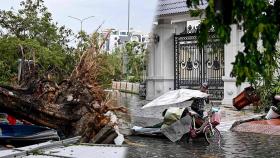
<point x="160" y="68"/>
<point x="161" y="59"/>
<point x="231" y="50"/>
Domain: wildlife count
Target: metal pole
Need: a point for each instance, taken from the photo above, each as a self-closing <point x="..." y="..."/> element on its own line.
<point x="128" y="17"/>
<point x="81" y="23"/>
<point x="81" y="20"/>
<point x="81" y="26"/>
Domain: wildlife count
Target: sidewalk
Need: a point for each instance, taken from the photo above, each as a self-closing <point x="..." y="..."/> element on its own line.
<point x="230" y="116"/>
<point x="269" y="127"/>
<point x="252" y="123"/>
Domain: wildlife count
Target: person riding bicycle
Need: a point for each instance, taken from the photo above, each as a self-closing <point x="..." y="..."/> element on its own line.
<point x="198" y="103"/>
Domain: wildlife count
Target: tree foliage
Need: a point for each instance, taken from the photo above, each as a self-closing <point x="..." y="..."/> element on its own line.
<point x="131" y="56"/>
<point x="32" y="28"/>
<point x="34" y="21"/>
<point x="111" y="69"/>
<point x="53" y="61"/>
<point x="260" y="22"/>
<point x="136" y="53"/>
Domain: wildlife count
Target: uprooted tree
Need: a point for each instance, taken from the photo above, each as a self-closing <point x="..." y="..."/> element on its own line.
<point x="76" y="106"/>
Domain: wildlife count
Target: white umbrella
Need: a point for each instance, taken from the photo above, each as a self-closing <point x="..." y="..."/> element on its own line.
<point x="176" y="96"/>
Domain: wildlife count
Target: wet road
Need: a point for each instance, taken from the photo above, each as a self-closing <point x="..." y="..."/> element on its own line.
<point x="233" y="144"/>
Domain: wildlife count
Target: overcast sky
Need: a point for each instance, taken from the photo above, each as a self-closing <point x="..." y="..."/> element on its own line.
<point x="113" y="12"/>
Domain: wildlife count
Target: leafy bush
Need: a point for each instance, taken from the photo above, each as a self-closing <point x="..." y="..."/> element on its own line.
<point x="137" y="56"/>
<point x="111" y="69"/>
<point x="5" y="73"/>
<point x="267" y="93"/>
<point x="133" y="79"/>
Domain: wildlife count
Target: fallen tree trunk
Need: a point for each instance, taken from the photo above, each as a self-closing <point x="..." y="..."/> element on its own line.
<point x="73" y="117"/>
<point x="63" y="117"/>
<point x="75" y="107"/>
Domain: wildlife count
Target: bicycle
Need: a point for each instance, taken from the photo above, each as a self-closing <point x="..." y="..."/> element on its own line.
<point x="208" y="126"/>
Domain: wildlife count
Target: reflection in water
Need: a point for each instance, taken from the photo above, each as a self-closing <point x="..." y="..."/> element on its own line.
<point x="233" y="144"/>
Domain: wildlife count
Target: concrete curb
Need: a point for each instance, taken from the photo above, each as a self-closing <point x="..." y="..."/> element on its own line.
<point x="25" y="151"/>
<point x="256" y="118"/>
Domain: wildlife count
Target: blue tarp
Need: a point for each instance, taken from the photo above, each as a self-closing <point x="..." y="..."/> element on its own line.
<point x="21" y="135"/>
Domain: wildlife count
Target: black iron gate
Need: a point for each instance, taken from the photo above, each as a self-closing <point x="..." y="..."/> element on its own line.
<point x="195" y="65"/>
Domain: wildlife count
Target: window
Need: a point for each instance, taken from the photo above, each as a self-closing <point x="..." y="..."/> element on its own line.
<point x="123" y="33"/>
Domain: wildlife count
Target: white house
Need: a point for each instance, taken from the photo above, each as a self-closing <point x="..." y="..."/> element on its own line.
<point x="176" y="60"/>
<point x="118" y="37"/>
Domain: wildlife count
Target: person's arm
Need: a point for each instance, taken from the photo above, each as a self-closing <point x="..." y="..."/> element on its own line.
<point x="277" y="97"/>
<point x="207" y="100"/>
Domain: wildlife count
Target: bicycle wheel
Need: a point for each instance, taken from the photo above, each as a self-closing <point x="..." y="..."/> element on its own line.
<point x="212" y="136"/>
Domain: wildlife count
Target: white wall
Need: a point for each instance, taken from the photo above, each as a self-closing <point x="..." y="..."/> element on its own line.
<point x="231" y="50"/>
<point x="161" y="58"/>
<point x="161" y="62"/>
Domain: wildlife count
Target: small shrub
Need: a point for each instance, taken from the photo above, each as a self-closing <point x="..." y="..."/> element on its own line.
<point x="267" y="93"/>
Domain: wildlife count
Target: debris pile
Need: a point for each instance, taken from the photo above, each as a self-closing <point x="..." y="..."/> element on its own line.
<point x="74" y="107"/>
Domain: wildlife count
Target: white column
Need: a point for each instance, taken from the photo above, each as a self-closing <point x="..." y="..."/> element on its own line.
<point x="231" y="50"/>
<point x="151" y="66"/>
<point x="161" y="62"/>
